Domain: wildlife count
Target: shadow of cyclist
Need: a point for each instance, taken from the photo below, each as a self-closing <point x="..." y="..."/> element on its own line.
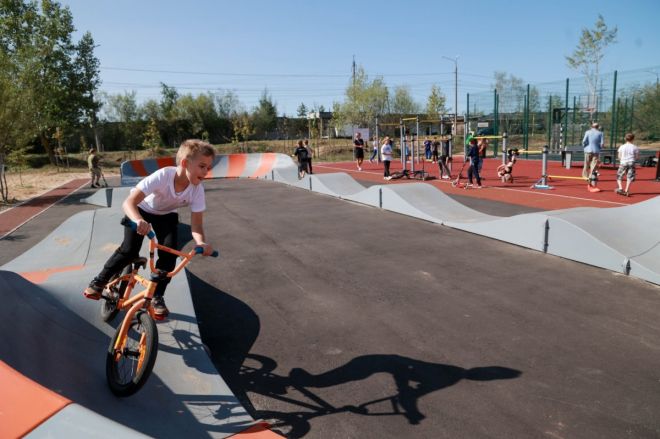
<point x="413" y="379"/>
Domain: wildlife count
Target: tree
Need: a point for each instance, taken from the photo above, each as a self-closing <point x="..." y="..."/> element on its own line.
<point x="242" y="126"/>
<point x="364" y="101"/>
<point x="124" y="108"/>
<point x="302" y="110"/>
<point x="152" y="140"/>
<point x="169" y="96"/>
<point x="435" y="104"/>
<point x="57" y="74"/>
<point x="589" y="52"/>
<point x="265" y="115"/>
<point x="403" y="102"/>
<point x="88" y="81"/>
<point x="227" y="104"/>
<point x="647" y="112"/>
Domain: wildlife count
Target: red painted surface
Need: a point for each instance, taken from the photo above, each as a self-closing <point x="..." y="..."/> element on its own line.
<point x="138" y="167"/>
<point x="15" y="217"/>
<point x="237" y="164"/>
<point x="24" y="404"/>
<point x="259" y="431"/>
<point x="41" y="276"/>
<point x="267" y="162"/>
<point x="567" y="193"/>
<point x="166" y="161"/>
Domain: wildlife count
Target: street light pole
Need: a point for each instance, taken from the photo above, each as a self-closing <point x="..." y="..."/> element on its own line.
<point x="455" y="130"/>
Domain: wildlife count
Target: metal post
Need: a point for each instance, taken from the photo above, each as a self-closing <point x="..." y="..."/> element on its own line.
<point x="565" y="125"/>
<point x="466" y="122"/>
<point x="496" y="127"/>
<point x="504" y="150"/>
<point x="401" y="145"/>
<point x="417" y="122"/>
<point x="412" y="153"/>
<point x="526" y="121"/>
<point x="543" y="182"/>
<point x="377" y="142"/>
<point x="612" y="132"/>
<point x="549" y="127"/>
<point x="632" y="113"/>
<point x="574" y="114"/>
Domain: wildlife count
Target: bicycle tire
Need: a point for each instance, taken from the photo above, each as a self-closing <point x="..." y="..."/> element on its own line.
<point x="127" y="373"/>
<point x="109" y="306"/>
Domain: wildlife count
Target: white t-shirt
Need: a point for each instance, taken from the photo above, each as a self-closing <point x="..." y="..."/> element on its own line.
<point x="386" y="152"/>
<point x="627" y="153"/>
<point x="161" y="198"/>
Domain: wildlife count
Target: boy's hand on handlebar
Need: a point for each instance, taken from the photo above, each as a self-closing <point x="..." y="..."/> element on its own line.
<point x="208" y="249"/>
<point x="143" y="227"/>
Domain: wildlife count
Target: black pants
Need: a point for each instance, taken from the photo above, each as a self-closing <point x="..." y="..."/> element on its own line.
<point x="474" y="169"/>
<point x="165" y="227"/>
<point x="309" y="166"/>
<point x="386" y="164"/>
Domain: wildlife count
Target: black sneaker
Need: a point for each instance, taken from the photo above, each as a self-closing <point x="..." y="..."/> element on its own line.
<point x="94" y="290"/>
<point x="160" y="309"/>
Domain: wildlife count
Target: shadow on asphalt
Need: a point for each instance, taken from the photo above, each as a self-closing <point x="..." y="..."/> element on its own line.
<point x="229" y="328"/>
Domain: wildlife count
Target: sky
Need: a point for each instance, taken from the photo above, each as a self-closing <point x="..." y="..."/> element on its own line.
<point x="302" y="51"/>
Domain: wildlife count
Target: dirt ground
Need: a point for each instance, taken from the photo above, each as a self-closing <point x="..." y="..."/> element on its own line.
<point x="34" y="182"/>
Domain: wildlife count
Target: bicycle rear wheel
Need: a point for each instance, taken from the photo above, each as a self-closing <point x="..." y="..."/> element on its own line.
<point x="128" y="369"/>
<point x="109" y="306"/>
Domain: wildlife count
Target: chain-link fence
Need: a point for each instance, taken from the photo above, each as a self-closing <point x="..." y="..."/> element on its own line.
<point x="558" y="113"/>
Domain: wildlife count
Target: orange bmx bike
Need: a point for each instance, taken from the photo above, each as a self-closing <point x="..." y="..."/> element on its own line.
<point x="132" y="352"/>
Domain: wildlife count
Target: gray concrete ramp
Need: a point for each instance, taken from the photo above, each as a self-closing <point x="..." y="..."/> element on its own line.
<point x="336" y="184"/>
<point x="622" y="239"/>
<point x="108" y="197"/>
<point x="184" y="397"/>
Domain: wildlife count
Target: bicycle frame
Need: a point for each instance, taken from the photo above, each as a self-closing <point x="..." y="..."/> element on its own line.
<point x="143" y="299"/>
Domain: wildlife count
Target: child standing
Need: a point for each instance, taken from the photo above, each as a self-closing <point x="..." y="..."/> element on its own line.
<point x="302" y="155"/>
<point x="374" y="152"/>
<point x="628" y="154"/>
<point x="152" y="203"/>
<point x="475" y="158"/>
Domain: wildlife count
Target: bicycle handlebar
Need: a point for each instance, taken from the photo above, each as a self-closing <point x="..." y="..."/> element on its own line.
<point x="152" y="235"/>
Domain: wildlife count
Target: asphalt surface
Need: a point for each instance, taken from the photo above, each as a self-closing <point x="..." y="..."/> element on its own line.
<point x="336" y="320"/>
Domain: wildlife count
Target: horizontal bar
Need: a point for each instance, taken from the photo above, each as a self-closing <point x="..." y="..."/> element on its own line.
<point x="409" y="118"/>
<point x="567" y="177"/>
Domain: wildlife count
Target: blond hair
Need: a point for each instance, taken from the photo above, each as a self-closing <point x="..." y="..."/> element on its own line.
<point x="192" y="148"/>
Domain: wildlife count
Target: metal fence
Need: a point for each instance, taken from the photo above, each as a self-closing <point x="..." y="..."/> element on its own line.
<point x="558" y="113"/>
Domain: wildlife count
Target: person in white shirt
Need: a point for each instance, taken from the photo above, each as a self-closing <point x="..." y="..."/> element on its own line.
<point x="628" y="154"/>
<point x="153" y="203"/>
<point x="386" y="153"/>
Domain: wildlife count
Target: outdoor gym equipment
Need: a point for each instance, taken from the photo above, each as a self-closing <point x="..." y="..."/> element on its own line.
<point x="542" y="183"/>
<point x="132" y="352"/>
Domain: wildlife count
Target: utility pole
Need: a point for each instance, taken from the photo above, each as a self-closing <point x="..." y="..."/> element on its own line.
<point x="455" y="130"/>
<point x="354" y="68"/>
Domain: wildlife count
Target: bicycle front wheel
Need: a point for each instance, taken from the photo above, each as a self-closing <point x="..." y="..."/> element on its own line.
<point x="128" y="368"/>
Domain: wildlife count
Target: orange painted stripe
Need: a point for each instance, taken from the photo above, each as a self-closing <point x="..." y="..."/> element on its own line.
<point x="267" y="162"/>
<point x="259" y="431"/>
<point x="24" y="404"/>
<point x="165" y="161"/>
<point x="41" y="276"/>
<point x="139" y="168"/>
<point x="237" y="164"/>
